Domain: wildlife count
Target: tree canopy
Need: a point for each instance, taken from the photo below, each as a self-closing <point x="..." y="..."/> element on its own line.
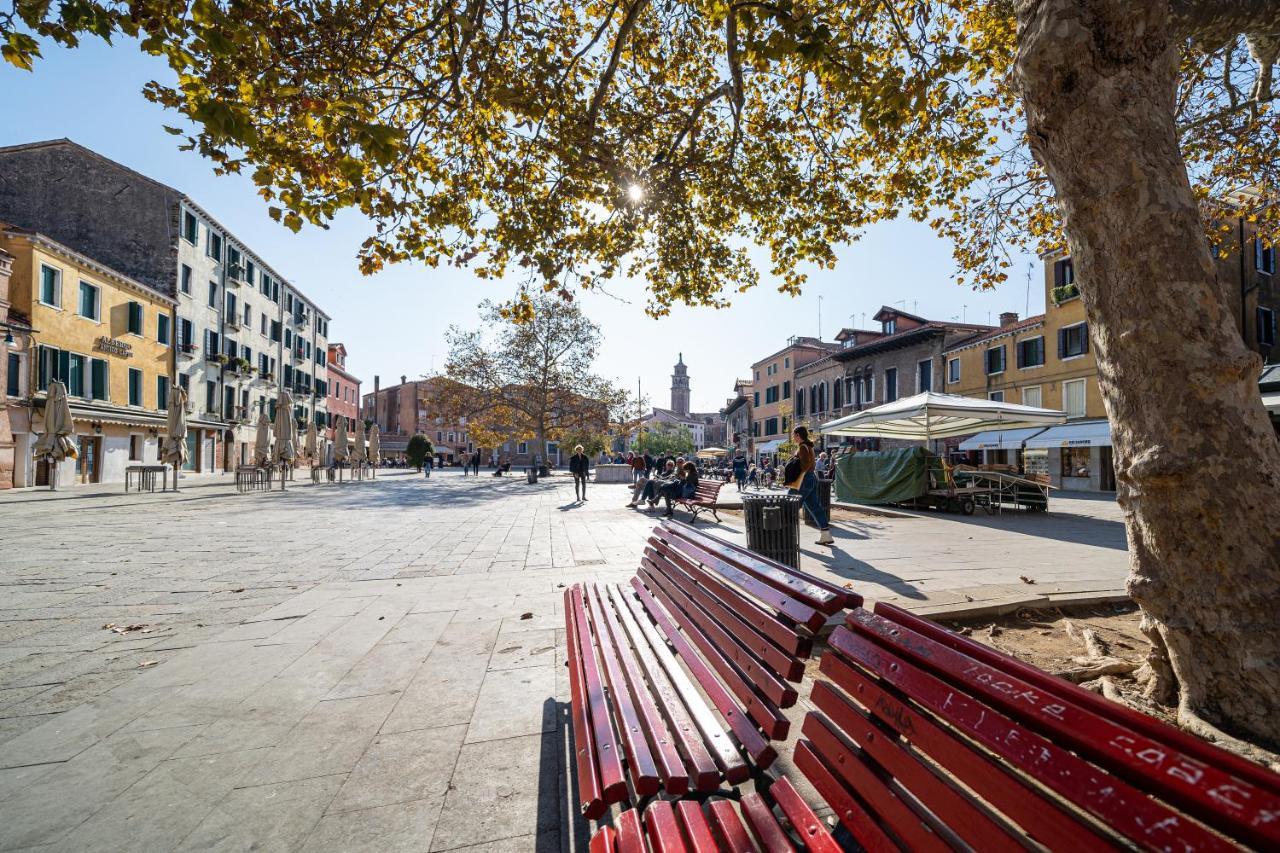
<point x="575" y="142"/>
<point x="662" y="439"/>
<point x="516" y="381"/>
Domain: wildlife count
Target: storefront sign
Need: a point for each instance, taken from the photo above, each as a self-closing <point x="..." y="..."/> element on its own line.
<point x="114" y="347"/>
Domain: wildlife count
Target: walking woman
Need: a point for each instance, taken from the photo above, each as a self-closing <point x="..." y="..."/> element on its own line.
<point x="579" y="466"/>
<point x="801" y="481"/>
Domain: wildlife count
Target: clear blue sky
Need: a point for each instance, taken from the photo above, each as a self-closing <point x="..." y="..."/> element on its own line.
<point x="393" y="323"/>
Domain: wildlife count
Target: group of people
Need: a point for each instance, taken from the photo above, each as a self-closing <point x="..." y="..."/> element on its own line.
<point x="747" y="474"/>
<point x="677" y="479"/>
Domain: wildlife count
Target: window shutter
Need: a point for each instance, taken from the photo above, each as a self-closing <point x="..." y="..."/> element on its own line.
<point x="1062" y="343"/>
<point x="1019" y="357"/>
<point x="64" y="366"/>
<point x="1084" y="338"/>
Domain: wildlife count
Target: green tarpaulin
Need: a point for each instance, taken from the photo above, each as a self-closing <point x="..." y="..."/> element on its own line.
<point x="883" y="477"/>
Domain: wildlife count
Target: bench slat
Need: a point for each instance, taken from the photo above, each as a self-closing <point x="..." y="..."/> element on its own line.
<point x="729" y="830"/>
<point x="714" y="736"/>
<point x="772" y="624"/>
<point x="681" y="573"/>
<point x="604" y="841"/>
<point x="1126" y="810"/>
<point x="612" y="782"/>
<point x="697" y="831"/>
<point x="670" y="766"/>
<point x="850" y="812"/>
<point x="713" y="620"/>
<point x="640" y="763"/>
<point x="811" y="830"/>
<point x="765" y="713"/>
<point x="1226" y="802"/>
<point x="661" y="828"/>
<point x="590" y="791"/>
<point x="997" y="785"/>
<point x="874" y="789"/>
<point x="764" y="826"/>
<point x="630" y="833"/>
<point x="1152" y="728"/>
<point x="739" y="722"/>
<point x="819" y="594"/>
<point x="687" y="734"/>
<point x="793" y="607"/>
<point x="961" y="813"/>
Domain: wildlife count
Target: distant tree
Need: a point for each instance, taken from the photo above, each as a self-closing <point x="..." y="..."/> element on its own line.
<point x="592" y="442"/>
<point x="666" y="440"/>
<point x="418" y="449"/>
<point x="528" y="379"/>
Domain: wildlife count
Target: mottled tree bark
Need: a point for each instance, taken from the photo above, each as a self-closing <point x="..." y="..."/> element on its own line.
<point x="1197" y="461"/>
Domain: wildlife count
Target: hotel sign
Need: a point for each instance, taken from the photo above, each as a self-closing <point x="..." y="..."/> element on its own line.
<point x="113" y="347"/>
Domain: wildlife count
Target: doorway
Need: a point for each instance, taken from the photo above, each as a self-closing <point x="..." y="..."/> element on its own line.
<point x="90" y="462"/>
<point x="1108" y="469"/>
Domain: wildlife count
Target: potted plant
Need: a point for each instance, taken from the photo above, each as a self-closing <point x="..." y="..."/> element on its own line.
<point x="221" y="358"/>
<point x="1063" y="292"/>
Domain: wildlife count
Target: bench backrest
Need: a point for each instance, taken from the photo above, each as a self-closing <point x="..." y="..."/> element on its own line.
<point x="679" y="680"/>
<point x="707" y="490"/>
<point x="742" y="624"/>
<point x="1045" y="758"/>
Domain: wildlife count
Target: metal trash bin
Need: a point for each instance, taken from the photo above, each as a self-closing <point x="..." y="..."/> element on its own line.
<point x="531" y="475"/>
<point x="824" y="498"/>
<point x="773" y="526"/>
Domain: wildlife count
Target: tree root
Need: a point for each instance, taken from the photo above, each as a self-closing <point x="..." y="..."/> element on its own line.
<point x="1161" y="685"/>
<point x="1190" y="721"/>
<point x="1095" y="668"/>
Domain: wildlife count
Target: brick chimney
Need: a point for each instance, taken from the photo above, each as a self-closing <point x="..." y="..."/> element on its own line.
<point x="1008" y="318"/>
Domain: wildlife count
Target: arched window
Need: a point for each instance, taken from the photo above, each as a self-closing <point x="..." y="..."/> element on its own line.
<point x="837" y="399"/>
<point x="799" y="402"/>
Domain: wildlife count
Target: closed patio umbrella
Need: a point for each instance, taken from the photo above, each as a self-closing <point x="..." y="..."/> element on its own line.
<point x="313" y="445"/>
<point x="341" y="443"/>
<point x="286" y="429"/>
<point x="374" y="447"/>
<point x="175" y="443"/>
<point x="286" y="435"/>
<point x="262" y="444"/>
<point x="358" y="451"/>
<point x="55" y="443"/>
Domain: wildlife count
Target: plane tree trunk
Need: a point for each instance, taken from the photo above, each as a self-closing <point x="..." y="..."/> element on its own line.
<point x="1197" y="460"/>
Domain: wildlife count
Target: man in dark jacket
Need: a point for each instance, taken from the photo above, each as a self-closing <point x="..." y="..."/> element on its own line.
<point x="579" y="466"/>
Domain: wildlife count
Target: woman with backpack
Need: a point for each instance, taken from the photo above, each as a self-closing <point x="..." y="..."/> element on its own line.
<point x="798" y="476"/>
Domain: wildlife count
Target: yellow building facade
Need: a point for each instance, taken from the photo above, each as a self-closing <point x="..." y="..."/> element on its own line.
<point x="109" y="339"/>
<point x="1045" y="361"/>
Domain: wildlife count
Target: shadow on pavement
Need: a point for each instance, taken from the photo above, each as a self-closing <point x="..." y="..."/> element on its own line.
<point x="558" y="785"/>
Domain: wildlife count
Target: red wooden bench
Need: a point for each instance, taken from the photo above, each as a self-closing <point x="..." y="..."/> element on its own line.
<point x="926" y="740"/>
<point x="678" y="681"/>
<point x="706" y="497"/>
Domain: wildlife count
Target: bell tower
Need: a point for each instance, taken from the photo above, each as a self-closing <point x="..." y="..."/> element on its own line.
<point x="680" y="388"/>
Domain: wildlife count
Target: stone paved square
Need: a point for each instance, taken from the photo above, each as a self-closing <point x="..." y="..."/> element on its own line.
<point x="376" y="666"/>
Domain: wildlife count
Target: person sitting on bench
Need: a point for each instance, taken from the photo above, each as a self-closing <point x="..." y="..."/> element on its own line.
<point x="647" y="490"/>
<point x="686" y="487"/>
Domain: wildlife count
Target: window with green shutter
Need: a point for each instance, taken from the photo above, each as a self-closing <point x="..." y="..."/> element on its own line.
<point x="135" y="387"/>
<point x="13" y="376"/>
<point x="51" y="286"/>
<point x="88" y="300"/>
<point x="76" y="376"/>
<point x="98" y="379"/>
<point x="162" y="393"/>
<point x="162" y="328"/>
<point x="190" y="227"/>
<point x="135" y="318"/>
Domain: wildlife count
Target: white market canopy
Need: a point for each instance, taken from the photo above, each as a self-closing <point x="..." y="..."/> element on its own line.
<point x="927" y="416"/>
<point x="711" y="452"/>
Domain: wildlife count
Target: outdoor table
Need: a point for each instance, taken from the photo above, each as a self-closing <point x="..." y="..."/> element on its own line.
<point x="147" y="477"/>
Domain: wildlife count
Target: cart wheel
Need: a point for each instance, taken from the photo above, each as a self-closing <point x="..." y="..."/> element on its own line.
<point x="966" y="506"/>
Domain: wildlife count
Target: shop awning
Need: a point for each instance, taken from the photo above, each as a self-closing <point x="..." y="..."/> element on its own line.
<point x="1271" y="401"/>
<point x="1000" y="439"/>
<point x="1082" y="434"/>
<point x="769" y="446"/>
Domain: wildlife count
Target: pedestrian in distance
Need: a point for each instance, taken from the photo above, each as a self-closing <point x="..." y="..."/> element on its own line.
<point x="427" y="464"/>
<point x="475" y="463"/>
<point x="740" y="471"/>
<point x="800" y="480"/>
<point x="579" y="467"/>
